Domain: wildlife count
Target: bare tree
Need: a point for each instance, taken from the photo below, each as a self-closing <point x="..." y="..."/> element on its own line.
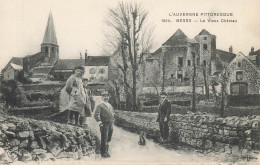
<point x="128" y="21"/>
<point x="206" y="82"/>
<point x="223" y="81"/>
<point x="193" y="103"/>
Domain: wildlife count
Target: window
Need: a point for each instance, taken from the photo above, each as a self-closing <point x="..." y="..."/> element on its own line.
<point x="205" y="46"/>
<point x="239" y="64"/>
<point x="204" y="63"/>
<point x="171" y="75"/>
<point x="179" y="76"/>
<point x="239" y="75"/>
<point x="180" y="61"/>
<point x="102" y="71"/>
<point x="52" y="49"/>
<point x="92" y="71"/>
<point x="46" y="50"/>
<point x="188" y="63"/>
<point x="205" y="38"/>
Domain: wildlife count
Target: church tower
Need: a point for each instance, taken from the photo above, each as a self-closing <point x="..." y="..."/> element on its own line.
<point x="49" y="46"/>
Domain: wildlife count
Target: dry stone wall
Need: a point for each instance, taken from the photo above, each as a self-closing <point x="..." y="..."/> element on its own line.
<point x="28" y="140"/>
<point x="239" y="136"/>
<point x="232" y="135"/>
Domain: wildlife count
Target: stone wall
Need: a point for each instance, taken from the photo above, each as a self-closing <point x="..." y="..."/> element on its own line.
<point x="208" y="133"/>
<point x="28" y="140"/>
<point x="173" y="89"/>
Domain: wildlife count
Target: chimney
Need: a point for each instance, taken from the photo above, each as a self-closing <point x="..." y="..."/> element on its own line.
<point x="231" y="49"/>
<point x="86" y="56"/>
<point x="252" y="49"/>
<point x="257" y="60"/>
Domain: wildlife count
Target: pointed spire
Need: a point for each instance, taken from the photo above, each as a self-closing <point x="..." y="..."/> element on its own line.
<point x="50" y="34"/>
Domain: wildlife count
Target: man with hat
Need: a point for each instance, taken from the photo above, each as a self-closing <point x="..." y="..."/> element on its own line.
<point x="104" y="115"/>
<point x="164" y="116"/>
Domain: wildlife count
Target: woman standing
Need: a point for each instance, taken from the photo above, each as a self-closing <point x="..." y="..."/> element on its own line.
<point x="74" y="87"/>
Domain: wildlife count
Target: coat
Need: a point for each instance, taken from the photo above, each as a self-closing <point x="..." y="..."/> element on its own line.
<point x="104" y="113"/>
<point x="77" y="94"/>
<point x="164" y="111"/>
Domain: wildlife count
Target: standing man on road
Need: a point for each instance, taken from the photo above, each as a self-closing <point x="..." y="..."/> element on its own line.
<point x="104" y="115"/>
<point x="164" y="116"/>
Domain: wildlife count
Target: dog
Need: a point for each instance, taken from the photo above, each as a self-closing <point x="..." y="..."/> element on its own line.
<point x="141" y="138"/>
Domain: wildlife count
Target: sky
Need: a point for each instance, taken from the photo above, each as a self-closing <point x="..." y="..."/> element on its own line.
<point x="80" y="25"/>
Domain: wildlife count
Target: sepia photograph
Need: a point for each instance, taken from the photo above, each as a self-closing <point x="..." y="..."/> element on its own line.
<point x="130" y="82"/>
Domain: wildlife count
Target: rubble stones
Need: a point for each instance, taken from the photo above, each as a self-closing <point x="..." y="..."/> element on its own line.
<point x="14" y="142"/>
<point x="24" y="134"/>
<point x="24" y="143"/>
<point x="34" y="144"/>
<point x="11" y="126"/>
<point x="32" y="140"/>
<point x="4" y="127"/>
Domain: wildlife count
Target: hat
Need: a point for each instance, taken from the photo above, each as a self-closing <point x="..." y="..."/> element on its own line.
<point x="105" y="93"/>
<point x="79" y="67"/>
<point x="163" y="93"/>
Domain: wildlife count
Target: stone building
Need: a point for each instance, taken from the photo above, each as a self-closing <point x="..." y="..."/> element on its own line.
<point x="243" y="76"/>
<point x="11" y="70"/>
<point x="254" y="57"/>
<point x="38" y="65"/>
<point x="96" y="68"/>
<point x="174" y="57"/>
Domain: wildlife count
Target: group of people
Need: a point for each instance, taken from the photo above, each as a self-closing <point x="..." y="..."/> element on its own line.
<point x="79" y="107"/>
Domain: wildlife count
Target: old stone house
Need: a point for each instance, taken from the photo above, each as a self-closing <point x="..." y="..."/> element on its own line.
<point x="174" y="57"/>
<point x="96" y="68"/>
<point x="243" y="76"/>
<point x="11" y="70"/>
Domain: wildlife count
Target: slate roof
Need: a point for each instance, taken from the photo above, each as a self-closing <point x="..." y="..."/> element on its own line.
<point x="50" y="34"/>
<point x="252" y="58"/>
<point x="156" y="54"/>
<point x="67" y="64"/>
<point x="178" y="38"/>
<point x="15" y="60"/>
<point x="37" y="54"/>
<point x="204" y="32"/>
<point x="97" y="60"/>
<point x="225" y="56"/>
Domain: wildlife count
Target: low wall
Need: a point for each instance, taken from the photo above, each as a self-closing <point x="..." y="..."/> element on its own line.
<point x="173" y="89"/>
<point x="232" y="135"/>
<point x="28" y="140"/>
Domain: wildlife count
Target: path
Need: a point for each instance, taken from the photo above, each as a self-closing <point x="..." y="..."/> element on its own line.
<point x="124" y="147"/>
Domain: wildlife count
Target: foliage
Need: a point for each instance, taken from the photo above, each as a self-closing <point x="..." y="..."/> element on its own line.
<point x="244" y="100"/>
<point x="22" y="78"/>
<point x="12" y="93"/>
<point x="42" y="95"/>
<point x="40" y="102"/>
